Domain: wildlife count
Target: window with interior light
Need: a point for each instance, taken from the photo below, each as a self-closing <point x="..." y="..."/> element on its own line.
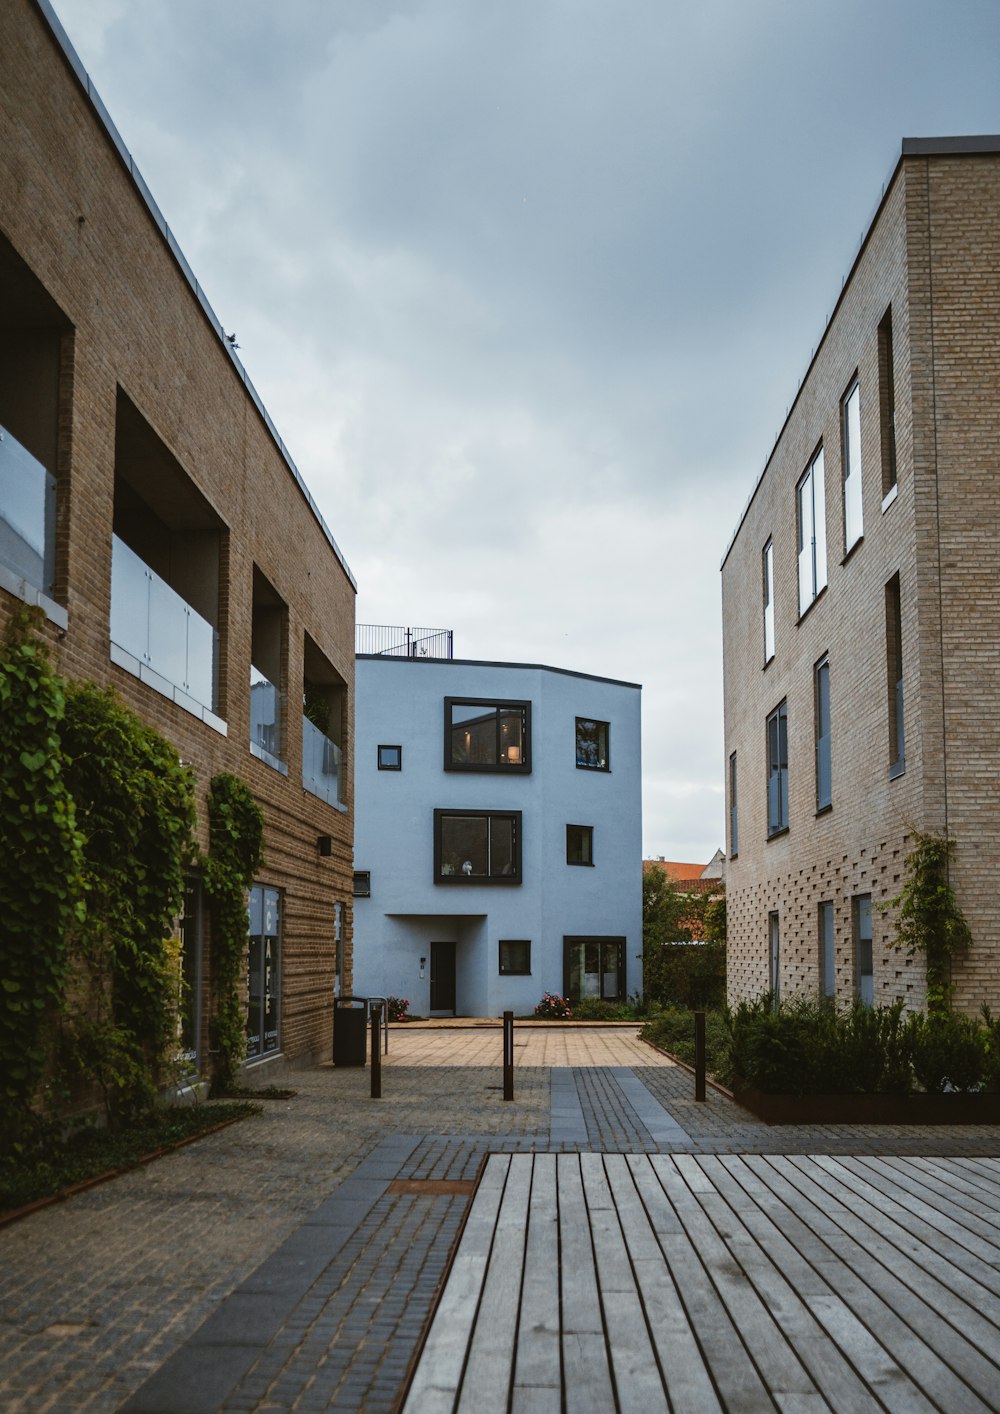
<point x="477" y="846"/>
<point x="486" y="734"/>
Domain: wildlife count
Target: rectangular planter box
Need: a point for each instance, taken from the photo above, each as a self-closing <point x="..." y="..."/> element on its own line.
<point x="870" y="1109"/>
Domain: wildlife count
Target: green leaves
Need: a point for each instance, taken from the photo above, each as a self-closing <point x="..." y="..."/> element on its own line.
<point x="928" y="918"/>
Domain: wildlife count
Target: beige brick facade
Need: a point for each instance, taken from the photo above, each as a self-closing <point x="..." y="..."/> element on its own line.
<point x="100" y="324"/>
<point x="932" y="259"/>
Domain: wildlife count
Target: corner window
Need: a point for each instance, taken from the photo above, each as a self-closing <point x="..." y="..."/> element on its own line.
<point x="821" y="694"/>
<point x="827" y="952"/>
<point x="390" y="758"/>
<point x="864" y="971"/>
<point x="477" y="847"/>
<point x="263" y="971"/>
<point x="887" y="404"/>
<point x="777" y="770"/>
<point x="592" y="745"/>
<point x="768" y="568"/>
<point x="362" y="883"/>
<point x="515" y="957"/>
<point x="482" y="734"/>
<point x="851" y="432"/>
<point x="734" y="827"/>
<point x="269" y="628"/>
<point x="894" y="675"/>
<point x="579" y="844"/>
<point x="811" y="502"/>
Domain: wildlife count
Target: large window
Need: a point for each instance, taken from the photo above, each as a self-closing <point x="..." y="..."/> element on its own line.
<point x="579" y="844"/>
<point x="481" y="734"/>
<point x="821" y="686"/>
<point x="324" y="719"/>
<point x="477" y="847"/>
<point x="263" y="972"/>
<point x="734" y="814"/>
<point x="887" y="406"/>
<point x="811" y="500"/>
<point x="894" y="674"/>
<point x="592" y="745"/>
<point x="515" y="957"/>
<point x="777" y="770"/>
<point x="594" y="967"/>
<point x="768" y="571"/>
<point x="851" y="425"/>
<point x="827" y="952"/>
<point x="864" y="971"/>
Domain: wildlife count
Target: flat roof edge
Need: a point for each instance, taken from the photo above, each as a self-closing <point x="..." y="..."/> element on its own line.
<point x="104" y="118"/>
<point x="495" y="663"/>
<point x="969" y="146"/>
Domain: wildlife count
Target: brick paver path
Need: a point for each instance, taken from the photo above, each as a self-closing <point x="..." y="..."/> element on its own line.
<point x="275" y="1259"/>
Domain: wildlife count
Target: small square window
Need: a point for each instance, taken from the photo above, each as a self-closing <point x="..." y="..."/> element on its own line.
<point x="390" y="758"/>
<point x="362" y="883"/>
<point x="515" y="957"/>
<point x="579" y="844"/>
<point x="592" y="745"/>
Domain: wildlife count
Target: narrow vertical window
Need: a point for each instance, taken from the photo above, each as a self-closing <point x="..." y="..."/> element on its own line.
<point x="774" y="956"/>
<point x="824" y="789"/>
<point x="827" y="953"/>
<point x="864" y="971"/>
<point x="734" y="821"/>
<point x="853" y="516"/>
<point x="811" y="499"/>
<point x="887" y="404"/>
<point x="777" y="770"/>
<point x="768" y="567"/>
<point x="894" y="674"/>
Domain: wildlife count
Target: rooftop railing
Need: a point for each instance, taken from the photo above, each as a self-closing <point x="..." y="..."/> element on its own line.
<point x="388" y="641"/>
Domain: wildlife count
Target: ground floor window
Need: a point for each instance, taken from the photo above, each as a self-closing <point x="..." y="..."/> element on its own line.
<point x="515" y="957"/>
<point x="774" y="949"/>
<point x="263" y="972"/>
<point x="864" y="973"/>
<point x="594" y="967"/>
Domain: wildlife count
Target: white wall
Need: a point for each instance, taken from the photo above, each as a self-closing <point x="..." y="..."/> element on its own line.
<point x="401" y="702"/>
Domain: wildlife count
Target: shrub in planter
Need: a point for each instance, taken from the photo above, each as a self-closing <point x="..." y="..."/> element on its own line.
<point x="553" y="1007"/>
<point x="673" y="1030"/>
<point x="397" y="1008"/>
<point x="949" y="1051"/>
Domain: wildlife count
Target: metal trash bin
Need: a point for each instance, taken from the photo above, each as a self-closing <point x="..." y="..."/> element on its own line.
<point x="350" y="1030"/>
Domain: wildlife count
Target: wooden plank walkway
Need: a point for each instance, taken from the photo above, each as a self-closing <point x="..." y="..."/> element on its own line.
<point x="590" y="1283"/>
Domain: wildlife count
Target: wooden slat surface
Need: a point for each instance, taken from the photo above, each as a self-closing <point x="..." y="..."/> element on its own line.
<point x="609" y="1282"/>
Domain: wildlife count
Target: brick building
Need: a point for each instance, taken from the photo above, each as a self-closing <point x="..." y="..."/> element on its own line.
<point x="149" y="506"/>
<point x="862" y="612"/>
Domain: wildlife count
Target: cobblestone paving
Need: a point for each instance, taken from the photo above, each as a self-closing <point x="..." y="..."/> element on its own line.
<point x="97" y="1293"/>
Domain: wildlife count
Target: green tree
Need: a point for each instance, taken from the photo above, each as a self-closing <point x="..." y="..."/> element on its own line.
<point x="677" y="971"/>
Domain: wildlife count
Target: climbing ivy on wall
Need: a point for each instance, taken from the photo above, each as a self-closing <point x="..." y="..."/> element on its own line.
<point x="135" y="806"/>
<point x="928" y="918"/>
<point x="236" y="839"/>
<point x="41" y="881"/>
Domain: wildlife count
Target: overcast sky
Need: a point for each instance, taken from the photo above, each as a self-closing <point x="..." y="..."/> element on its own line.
<point x="528" y="285"/>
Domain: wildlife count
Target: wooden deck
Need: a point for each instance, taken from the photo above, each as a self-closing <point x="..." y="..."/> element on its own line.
<point x="598" y="1282"/>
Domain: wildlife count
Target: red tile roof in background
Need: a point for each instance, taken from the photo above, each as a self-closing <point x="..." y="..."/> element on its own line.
<point x="673" y="871"/>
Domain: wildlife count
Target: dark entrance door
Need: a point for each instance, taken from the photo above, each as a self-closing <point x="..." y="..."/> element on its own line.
<point x="443" y="977"/>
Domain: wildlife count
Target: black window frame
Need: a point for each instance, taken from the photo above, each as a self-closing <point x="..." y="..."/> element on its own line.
<point x="503" y="971"/>
<point x="824" y="755"/>
<point x="887" y="405"/>
<point x="266" y="974"/>
<point x="777" y="770"/>
<point x="361" y="886"/>
<point x="572" y="940"/>
<point x="894" y="675"/>
<point x="480" y="880"/>
<point x="826" y="921"/>
<point x="382" y="765"/>
<point x="864" y="946"/>
<point x="588" y="765"/>
<point x="734" y="809"/>
<point x="588" y="835"/>
<point x="499" y="706"/>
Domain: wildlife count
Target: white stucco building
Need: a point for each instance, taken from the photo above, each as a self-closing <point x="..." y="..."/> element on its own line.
<point x="498" y="834"/>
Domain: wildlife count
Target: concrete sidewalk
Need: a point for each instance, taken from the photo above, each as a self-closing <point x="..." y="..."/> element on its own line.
<point x="297" y="1255"/>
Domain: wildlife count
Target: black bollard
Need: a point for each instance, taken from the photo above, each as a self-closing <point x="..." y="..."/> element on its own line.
<point x="699" y="1055"/>
<point x="376" y="1052"/>
<point x="508" y="1055"/>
